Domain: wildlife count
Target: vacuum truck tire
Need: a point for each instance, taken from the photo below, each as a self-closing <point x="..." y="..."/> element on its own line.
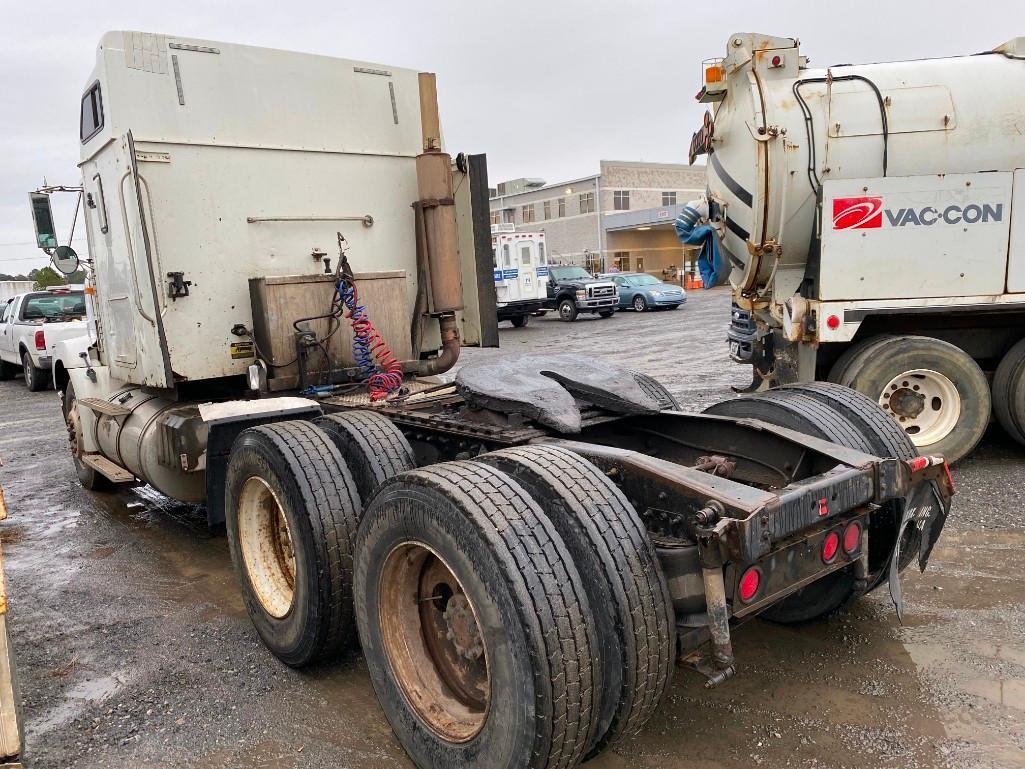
<point x="609" y="544"/>
<point x="934" y="390"/>
<point x="520" y="321"/>
<point x="475" y="624"/>
<point x="838" y="373"/>
<point x="1009" y="392"/>
<point x="373" y="448"/>
<point x="291" y="510"/>
<point x="821" y="420"/>
<point x="87" y="476"/>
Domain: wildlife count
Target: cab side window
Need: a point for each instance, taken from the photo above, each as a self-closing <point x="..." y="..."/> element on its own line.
<point x="92" y="113"/>
<point x="5" y="316"/>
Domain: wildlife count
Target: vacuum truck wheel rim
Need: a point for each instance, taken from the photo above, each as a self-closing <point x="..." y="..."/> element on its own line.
<point x="431" y="636"/>
<point x="924" y="402"/>
<point x="267" y="550"/>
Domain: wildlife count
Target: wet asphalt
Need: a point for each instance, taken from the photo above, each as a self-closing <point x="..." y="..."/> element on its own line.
<point x="134" y="649"/>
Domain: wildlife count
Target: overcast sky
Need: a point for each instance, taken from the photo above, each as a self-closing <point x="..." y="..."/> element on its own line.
<point x="545" y="88"/>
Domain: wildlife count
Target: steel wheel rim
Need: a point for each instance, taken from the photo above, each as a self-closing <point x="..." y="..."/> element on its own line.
<point x="431" y="638"/>
<point x="923" y="402"/>
<point x="266" y="544"/>
<point x="639" y="304"/>
<point x="565" y="310"/>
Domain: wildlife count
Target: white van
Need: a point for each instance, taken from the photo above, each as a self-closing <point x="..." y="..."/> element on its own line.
<point x="521" y="274"/>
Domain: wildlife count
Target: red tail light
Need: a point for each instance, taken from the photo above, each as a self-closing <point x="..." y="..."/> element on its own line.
<point x="830" y="547"/>
<point x="40" y="340"/>
<point x="918" y="463"/>
<point x="749" y="584"/>
<point x="851" y="537"/>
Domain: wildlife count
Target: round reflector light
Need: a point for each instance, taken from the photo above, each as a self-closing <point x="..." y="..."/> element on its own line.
<point x="851" y="537"/>
<point x="749" y="584"/>
<point x="833" y="321"/>
<point x="830" y="546"/>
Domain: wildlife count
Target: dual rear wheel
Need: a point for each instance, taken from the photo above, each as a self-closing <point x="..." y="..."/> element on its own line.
<point x="508" y="607"/>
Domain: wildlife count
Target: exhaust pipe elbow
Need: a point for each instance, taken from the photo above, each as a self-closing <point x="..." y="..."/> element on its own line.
<point x="449" y="354"/>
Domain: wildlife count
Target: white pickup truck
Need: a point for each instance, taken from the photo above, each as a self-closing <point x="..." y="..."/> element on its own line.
<point x="31" y="324"/>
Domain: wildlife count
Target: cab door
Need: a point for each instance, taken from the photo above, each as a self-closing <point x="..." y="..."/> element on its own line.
<point x="7" y="351"/>
<point x="130" y="301"/>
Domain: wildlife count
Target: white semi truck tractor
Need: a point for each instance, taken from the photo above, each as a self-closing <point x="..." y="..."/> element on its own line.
<point x="282" y="262"/>
<point x="872" y="223"/>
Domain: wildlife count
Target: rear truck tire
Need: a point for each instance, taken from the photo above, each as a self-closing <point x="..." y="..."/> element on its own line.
<point x="838" y="373"/>
<point x="7" y="371"/>
<point x="812" y="417"/>
<point x="625" y="587"/>
<point x="886" y="440"/>
<point x="372" y="447"/>
<point x="291" y="510"/>
<point x="640" y="304"/>
<point x="934" y="390"/>
<point x="87" y="476"/>
<point x="606" y="313"/>
<point x="35" y="378"/>
<point x="1009" y="392"/>
<point x="567" y="310"/>
<point x="519" y="321"/>
<point x="475" y="623"/>
<point x="655" y="389"/>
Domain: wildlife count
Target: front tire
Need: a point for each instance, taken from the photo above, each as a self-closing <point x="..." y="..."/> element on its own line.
<point x="35" y="378"/>
<point x="291" y="511"/>
<point x="7" y="371"/>
<point x="606" y="313"/>
<point x="567" y="310"/>
<point x="476" y="628"/>
<point x="87" y="476"/>
<point x="640" y="303"/>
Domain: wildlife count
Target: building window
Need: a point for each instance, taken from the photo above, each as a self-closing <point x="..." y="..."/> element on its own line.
<point x="547" y="210"/>
<point x="527" y="213"/>
<point x="621" y="259"/>
<point x="92" y="114"/>
<point x="562" y="207"/>
<point x="496" y="217"/>
<point x="586" y="202"/>
<point x="621" y="200"/>
<point x="508" y="216"/>
<point x="668" y="198"/>
<point x="640" y="264"/>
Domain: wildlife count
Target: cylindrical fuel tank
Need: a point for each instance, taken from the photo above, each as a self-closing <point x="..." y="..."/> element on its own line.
<point x="148" y="442"/>
<point x="782" y="129"/>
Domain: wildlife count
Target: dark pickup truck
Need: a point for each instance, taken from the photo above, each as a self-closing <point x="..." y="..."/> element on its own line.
<point x="573" y="290"/>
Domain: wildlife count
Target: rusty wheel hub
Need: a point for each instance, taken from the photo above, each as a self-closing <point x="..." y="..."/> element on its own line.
<point x="266" y="545"/>
<point x="432" y="638"/>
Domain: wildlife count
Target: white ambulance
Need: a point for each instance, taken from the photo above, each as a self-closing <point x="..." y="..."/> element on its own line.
<point x="521" y="273"/>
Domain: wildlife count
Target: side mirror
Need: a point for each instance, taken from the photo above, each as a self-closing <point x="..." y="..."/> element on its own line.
<point x="42" y="218"/>
<point x="65" y="260"/>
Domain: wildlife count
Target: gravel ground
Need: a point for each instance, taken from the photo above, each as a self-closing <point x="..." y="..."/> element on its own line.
<point x="134" y="648"/>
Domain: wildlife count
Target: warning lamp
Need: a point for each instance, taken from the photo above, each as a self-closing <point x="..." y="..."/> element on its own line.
<point x="852" y="537"/>
<point x="749" y="584"/>
<point x="833" y="322"/>
<point x="714" y="73"/>
<point x="777" y="60"/>
<point x="40" y="340"/>
<point x="830" y="547"/>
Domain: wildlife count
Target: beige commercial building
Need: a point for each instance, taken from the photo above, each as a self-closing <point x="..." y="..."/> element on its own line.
<point x="621" y="218"/>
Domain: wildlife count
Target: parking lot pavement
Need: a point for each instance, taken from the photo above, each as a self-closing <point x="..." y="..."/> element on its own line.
<point x="134" y="648"/>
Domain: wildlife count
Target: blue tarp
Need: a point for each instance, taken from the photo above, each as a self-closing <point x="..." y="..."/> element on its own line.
<point x="710" y="262"/>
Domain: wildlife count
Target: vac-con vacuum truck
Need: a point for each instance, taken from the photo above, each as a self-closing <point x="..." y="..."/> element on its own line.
<point x="870" y="219"/>
<point x="282" y="261"/>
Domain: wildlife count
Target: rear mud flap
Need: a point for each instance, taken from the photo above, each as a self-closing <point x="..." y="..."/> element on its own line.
<point x="926" y="512"/>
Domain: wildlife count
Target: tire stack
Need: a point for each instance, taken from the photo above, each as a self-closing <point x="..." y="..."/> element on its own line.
<point x="512" y="610"/>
